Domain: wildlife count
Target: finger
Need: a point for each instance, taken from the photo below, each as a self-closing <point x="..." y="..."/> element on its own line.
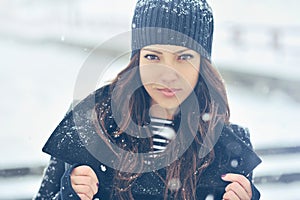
<point x="238" y="190"/>
<point x="84" y="170"/>
<point x="242" y="180"/>
<point x="230" y="195"/>
<point x="83" y="190"/>
<point x="85" y="180"/>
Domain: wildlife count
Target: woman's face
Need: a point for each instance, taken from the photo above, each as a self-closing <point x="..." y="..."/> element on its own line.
<point x="169" y="73"/>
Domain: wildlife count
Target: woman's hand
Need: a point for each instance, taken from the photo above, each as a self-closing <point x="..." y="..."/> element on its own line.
<point x="84" y="182"/>
<point x="238" y="189"/>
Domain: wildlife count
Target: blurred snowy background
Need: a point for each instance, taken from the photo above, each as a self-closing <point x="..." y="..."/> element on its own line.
<point x="44" y="44"/>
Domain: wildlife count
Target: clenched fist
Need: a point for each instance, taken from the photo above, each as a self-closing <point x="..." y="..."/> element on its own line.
<point x="84" y="182"/>
<point x="238" y="189"/>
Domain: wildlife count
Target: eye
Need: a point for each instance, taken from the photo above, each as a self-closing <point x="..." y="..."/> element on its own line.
<point x="151" y="57"/>
<point x="185" y="57"/>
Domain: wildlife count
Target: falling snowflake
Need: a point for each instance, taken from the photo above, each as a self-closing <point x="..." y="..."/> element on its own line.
<point x="234" y="163"/>
<point x="206" y="117"/>
<point x="102" y="168"/>
<point x="174" y="184"/>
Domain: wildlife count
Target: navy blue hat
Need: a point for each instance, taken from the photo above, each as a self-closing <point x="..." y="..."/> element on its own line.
<point x="187" y="23"/>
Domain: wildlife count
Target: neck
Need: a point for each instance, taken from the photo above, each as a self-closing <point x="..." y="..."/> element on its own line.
<point x="164" y="113"/>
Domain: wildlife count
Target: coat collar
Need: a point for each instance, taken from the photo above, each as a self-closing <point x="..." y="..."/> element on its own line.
<point x="75" y="136"/>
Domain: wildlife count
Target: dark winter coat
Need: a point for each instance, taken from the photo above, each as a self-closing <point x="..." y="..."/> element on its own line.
<point x="75" y="134"/>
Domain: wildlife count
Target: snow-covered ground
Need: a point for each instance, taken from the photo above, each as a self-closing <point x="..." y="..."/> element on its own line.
<point x="40" y="61"/>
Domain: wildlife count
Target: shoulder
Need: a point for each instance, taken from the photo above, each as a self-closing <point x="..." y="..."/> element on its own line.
<point x="240" y="131"/>
<point x="235" y="150"/>
<point x="84" y="106"/>
<point x="104" y="91"/>
<point x="97" y="96"/>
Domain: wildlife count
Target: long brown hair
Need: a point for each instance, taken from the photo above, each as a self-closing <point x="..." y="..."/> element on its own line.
<point x="212" y="100"/>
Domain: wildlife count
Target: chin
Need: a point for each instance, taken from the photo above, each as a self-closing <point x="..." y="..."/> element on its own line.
<point x="169" y="106"/>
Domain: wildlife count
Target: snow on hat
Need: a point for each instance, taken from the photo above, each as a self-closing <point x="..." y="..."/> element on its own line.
<point x="187" y="23"/>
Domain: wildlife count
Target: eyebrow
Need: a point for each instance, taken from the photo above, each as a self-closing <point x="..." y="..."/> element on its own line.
<point x="158" y="52"/>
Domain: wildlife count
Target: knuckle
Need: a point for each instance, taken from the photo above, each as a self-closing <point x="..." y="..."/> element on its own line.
<point x="240" y="178"/>
<point x="88" y="170"/>
<point x="72" y="177"/>
<point x="85" y="168"/>
<point x="226" y="195"/>
<point x="86" y="189"/>
<point x="231" y="186"/>
<point x="235" y="185"/>
<point x="90" y="181"/>
<point x="82" y="170"/>
<point x="229" y="193"/>
<point x="77" y="170"/>
<point x="89" y="192"/>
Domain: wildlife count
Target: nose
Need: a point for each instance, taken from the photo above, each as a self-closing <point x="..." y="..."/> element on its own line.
<point x="169" y="75"/>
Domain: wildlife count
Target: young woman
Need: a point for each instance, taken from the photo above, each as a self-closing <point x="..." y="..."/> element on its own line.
<point x="161" y="129"/>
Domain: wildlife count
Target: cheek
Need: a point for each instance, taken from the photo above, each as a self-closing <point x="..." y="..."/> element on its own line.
<point x="148" y="74"/>
<point x="190" y="76"/>
<point x="144" y="74"/>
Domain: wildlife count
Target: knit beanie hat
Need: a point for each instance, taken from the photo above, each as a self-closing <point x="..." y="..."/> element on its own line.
<point x="187" y="23"/>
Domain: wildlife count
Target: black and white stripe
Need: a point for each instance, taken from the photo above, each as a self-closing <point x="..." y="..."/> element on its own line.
<point x="163" y="133"/>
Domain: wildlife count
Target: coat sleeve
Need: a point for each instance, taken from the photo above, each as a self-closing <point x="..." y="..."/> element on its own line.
<point x="50" y="185"/>
<point x="56" y="184"/>
<point x="244" y="135"/>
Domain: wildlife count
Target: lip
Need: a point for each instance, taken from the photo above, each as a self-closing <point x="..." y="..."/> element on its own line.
<point x="168" y="92"/>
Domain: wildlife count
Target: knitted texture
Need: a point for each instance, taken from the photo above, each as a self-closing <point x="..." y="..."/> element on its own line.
<point x="187" y="23"/>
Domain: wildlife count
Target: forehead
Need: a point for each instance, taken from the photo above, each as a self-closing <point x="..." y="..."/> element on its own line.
<point x="167" y="48"/>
